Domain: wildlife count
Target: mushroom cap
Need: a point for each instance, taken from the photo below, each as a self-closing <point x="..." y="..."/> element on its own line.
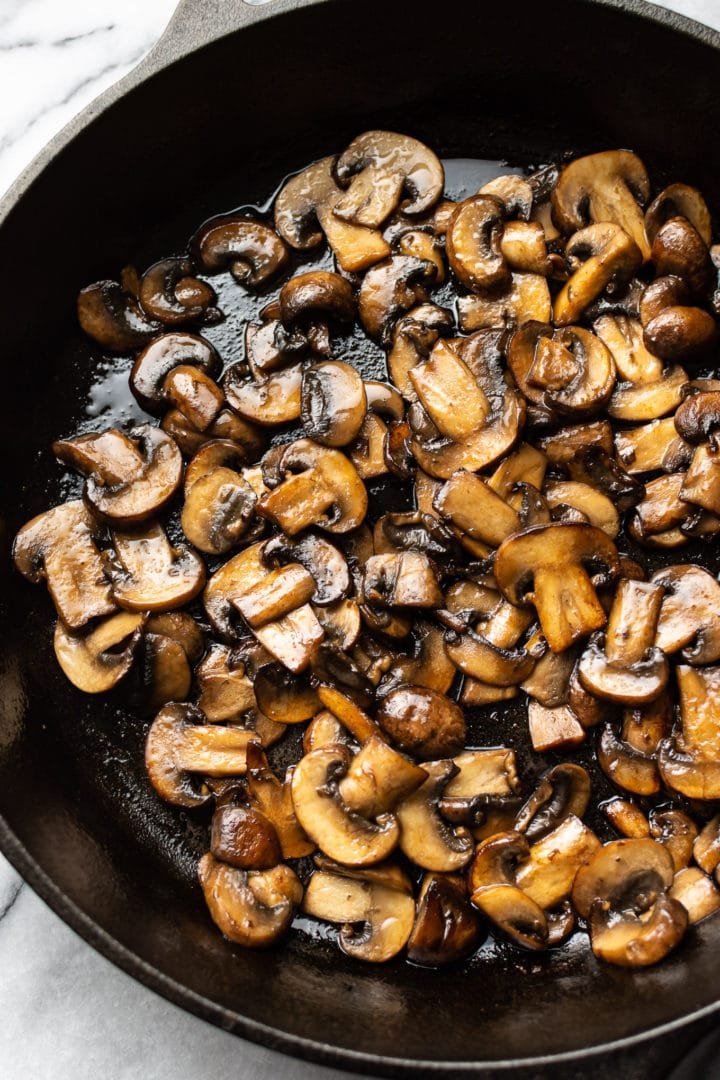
<point x="698" y="416"/>
<point x="217" y="511"/>
<point x="94" y="662"/>
<point x="556" y="545"/>
<point x="243" y="837"/>
<point x="425" y="837"/>
<point x="386" y="913"/>
<point x="333" y="402"/>
<point x="112" y="317"/>
<point x="688" y="617"/>
<point x="619" y="871"/>
<point x="275" y="400"/>
<point x="447" y="928"/>
<point x="379" y="166"/>
<point x="346" y="837"/>
<point x="615" y="680"/>
<point x="150" y="574"/>
<point x="473" y="243"/>
<point x="422" y="722"/>
<point x="679" y="200"/>
<point x="390" y="288"/>
<point x="169" y="292"/>
<point x="609" y="186"/>
<point x="317" y="295"/>
<point x="350" y="499"/>
<point x="251" y="250"/>
<point x="253" y="908"/>
<point x="157" y="360"/>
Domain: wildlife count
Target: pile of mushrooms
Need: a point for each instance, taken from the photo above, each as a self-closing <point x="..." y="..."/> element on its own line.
<point x="553" y="431"/>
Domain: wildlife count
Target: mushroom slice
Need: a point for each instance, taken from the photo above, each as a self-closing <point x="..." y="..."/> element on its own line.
<point x="627" y="766"/>
<point x="275" y="400"/>
<point x="253" y="908"/>
<point x="562" y="791"/>
<point x="217" y="511"/>
<point x="699" y="692"/>
<point x="525" y="299"/>
<point x="561" y="447"/>
<point x="401" y="579"/>
<point x="659" y="517"/>
<point x="273" y="799"/>
<point x="422" y="722"/>
<point x="488" y="773"/>
<point x="427" y="665"/>
<point x="368" y="450"/>
<point x="97" y="661"/>
<point x="180" y="745"/>
<point x="568" y="370"/>
<point x="651" y="400"/>
<point x="343" y="835"/>
<point x="629" y="668"/>
<point x="425" y="837"/>
<point x="333" y="403"/>
<point x="313" y="299"/>
<point x="234" y="578"/>
<point x="168" y="292"/>
<point x="293" y="638"/>
<point x="441" y="382"/>
<point x="597" y="255"/>
<point x="391" y="288"/>
<point x="688" y="614"/>
<point x="112" y="317"/>
<point x="696" y="892"/>
<point x="479" y="658"/>
<point x="447" y="928"/>
<point x="324" y="729"/>
<point x="129" y="479"/>
<point x="623" y="892"/>
<point x="679" y="200"/>
<point x="552" y="559"/>
<point x="283" y="696"/>
<point x="378" y="779"/>
<point x="307" y="201"/>
<point x="652" y="447"/>
<point x="701" y="484"/>
<point x="607" y="187"/>
<point x="243" y="837"/>
<point x="677" y="832"/>
<point x="470" y="503"/>
<point x="678" y="249"/>
<point x="151" y="575"/>
<point x="473" y="240"/>
<point x="249" y="441"/>
<point x="194" y="394"/>
<point x="163" y="355"/>
<point x="226" y="691"/>
<point x="379" y="166"/>
<point x="525" y="464"/>
<point x="323" y="489"/>
<point x="706" y="848"/>
<point x="548" y="873"/>
<point x="549" y="680"/>
<point x="627" y="818"/>
<point x="386" y="914"/>
<point x="59" y="546"/>
<point x="413" y="338"/>
<point x="250" y="250"/>
<point x="553" y="728"/>
<point x="321" y="559"/>
<point x="595" y="507"/>
<point x="216" y="454"/>
<point x="514" y="192"/>
<point x="361" y="726"/>
<point x="515" y="914"/>
<point x="279" y="593"/>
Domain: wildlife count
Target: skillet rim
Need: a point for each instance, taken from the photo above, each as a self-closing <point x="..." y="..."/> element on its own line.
<point x="190" y="29"/>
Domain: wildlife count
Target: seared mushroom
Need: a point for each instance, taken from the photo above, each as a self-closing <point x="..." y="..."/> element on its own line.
<point x="59" y="547"/>
<point x="378" y="779"/>
<point x="402" y="579"/>
<point x="390" y="288"/>
<point x="706" y="848"/>
<point x="179" y="745"/>
<point x="413" y="338"/>
<point x="629" y="668"/>
<point x="170" y="293"/>
<point x="274" y="400"/>
<point x="627" y="818"/>
<point x="623" y="892"/>
<point x="525" y="299"/>
<point x="194" y="394"/>
<point x="551" y="728"/>
<point x="252" y="251"/>
<point x="425" y="837"/>
<point x="308" y="201"/>
<point x="273" y="799"/>
<point x="333" y="403"/>
<point x="679" y="200"/>
<point x="473" y="241"/>
<point x="444" y="383"/>
<point x="611" y="186"/>
<point x="569" y="370"/>
<point x="552" y="558"/>
<point x="696" y="892"/>
<point x="322" y="488"/>
<point x="379" y="166"/>
<point x="244" y="837"/>
<point x="678" y="249"/>
<point x="447" y="928"/>
<point x="597" y="256"/>
<point x="217" y="511"/>
<point x="94" y="662"/>
<point x="253" y="908"/>
<point x="112" y="316"/>
<point x="226" y="690"/>
<point x="343" y="835"/>
<point x="383" y="906"/>
<point x="688" y="614"/>
<point x="423" y="722"/>
<point x="150" y="574"/>
<point x="562" y="791"/>
<point x="160" y="357"/>
<point x="129" y="478"/>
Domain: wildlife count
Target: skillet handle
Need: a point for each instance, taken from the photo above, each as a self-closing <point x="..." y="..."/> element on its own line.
<point x="196" y="23"/>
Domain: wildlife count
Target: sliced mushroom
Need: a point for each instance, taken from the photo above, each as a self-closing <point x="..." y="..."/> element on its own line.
<point x="273" y="800"/>
<point x="276" y="595"/>
<point x="547" y="875"/>
<point x="179" y="745"/>
<point x="379" y="166"/>
<point x="422" y="722"/>
<point x="468" y="501"/>
<point x="378" y="779"/>
<point x="679" y="200"/>
<point x="129" y="478"/>
<point x="160" y="357"/>
<point x="696" y="892"/>
<point x="706" y="847"/>
<point x="677" y="832"/>
<point x="444" y="381"/>
<point x="250" y="250"/>
<point x="170" y="293"/>
<point x="401" y="579"/>
<point x="344" y="836"/>
<point x="425" y="837"/>
<point x="553" y="728"/>
<point x="243" y="837"/>
<point x="94" y="662"/>
<point x="333" y="403"/>
<point x="569" y="370"/>
<point x="561" y="447"/>
<point x="447" y="928"/>
<point x="253" y="908"/>
<point x="149" y="574"/>
<point x="627" y="667"/>
<point x="525" y="299"/>
<point x="652" y="447"/>
<point x="611" y="186"/>
<point x="427" y="664"/>
<point x="59" y="547"/>
<point x="660" y="517"/>
<point x="550" y="559"/>
<point x="217" y="511"/>
<point x="597" y="255"/>
<point x="627" y="818"/>
<point x="413" y="338"/>
<point x="630" y="767"/>
<point x="112" y="316"/>
<point x="386" y="914"/>
<point x="275" y="400"/>
<point x="194" y="394"/>
<point x="323" y="489"/>
<point x="473" y="240"/>
<point x="623" y="892"/>
<point x="232" y="579"/>
<point x="391" y="288"/>
<point x="226" y="691"/>
<point x="688" y="614"/>
<point x="308" y="201"/>
<point x="248" y="440"/>
<point x="678" y="249"/>
<point x="562" y="791"/>
<point x="595" y="507"/>
<point x="315" y="299"/>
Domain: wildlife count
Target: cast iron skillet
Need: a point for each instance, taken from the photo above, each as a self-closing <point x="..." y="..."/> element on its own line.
<point x="232" y="100"/>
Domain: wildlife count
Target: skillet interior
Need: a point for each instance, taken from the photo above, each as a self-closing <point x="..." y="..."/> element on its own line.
<point x="220" y="128"/>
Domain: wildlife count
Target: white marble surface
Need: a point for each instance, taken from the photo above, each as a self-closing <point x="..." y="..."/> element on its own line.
<point x="66" y="1011"/>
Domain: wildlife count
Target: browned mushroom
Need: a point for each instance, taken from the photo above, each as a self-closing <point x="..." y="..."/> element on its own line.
<point x="597" y="256"/>
<point x="569" y="370"/>
<point x="423" y="722"/>
<point x="379" y="166"/>
<point x="447" y="928"/>
<point x="112" y="316"/>
<point x="252" y="251"/>
<point x="149" y="574"/>
<point x="391" y="288"/>
<point x="333" y="403"/>
<point x="253" y="908"/>
<point x="160" y="357"/>
<point x="94" y="662"/>
<point x="170" y="293"/>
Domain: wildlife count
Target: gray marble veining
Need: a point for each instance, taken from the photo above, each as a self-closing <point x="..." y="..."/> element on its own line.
<point x="65" y="1011"/>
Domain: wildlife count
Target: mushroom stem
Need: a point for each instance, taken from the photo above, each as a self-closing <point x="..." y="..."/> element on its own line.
<point x="567" y="605"/>
<point x="632" y="621"/>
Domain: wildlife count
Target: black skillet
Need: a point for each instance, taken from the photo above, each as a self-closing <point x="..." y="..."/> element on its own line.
<point x="233" y="99"/>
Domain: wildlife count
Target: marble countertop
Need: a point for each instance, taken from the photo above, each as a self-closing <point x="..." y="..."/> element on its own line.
<point x="66" y="1011"/>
